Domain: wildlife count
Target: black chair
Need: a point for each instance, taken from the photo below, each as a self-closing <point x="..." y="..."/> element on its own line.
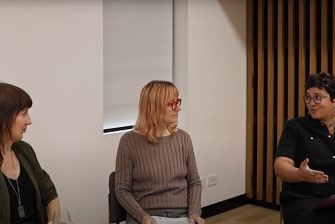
<point x="281" y="221"/>
<point x="117" y="214"/>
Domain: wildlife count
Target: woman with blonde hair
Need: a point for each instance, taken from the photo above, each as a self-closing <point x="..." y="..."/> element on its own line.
<point x="156" y="174"/>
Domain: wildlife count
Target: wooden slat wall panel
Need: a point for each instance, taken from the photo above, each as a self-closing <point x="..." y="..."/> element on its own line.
<point x="324" y="39"/>
<point x="260" y="103"/>
<point x="312" y="42"/>
<point x="270" y="104"/>
<point x="250" y="99"/>
<point x="287" y="40"/>
<point x="280" y="80"/>
<point x="302" y="58"/>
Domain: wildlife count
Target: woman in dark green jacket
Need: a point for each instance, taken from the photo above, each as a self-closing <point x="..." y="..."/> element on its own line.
<point x="27" y="194"/>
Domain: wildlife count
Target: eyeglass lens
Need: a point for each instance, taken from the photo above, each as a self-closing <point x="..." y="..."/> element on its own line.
<point x="316" y="99"/>
<point x="174" y="104"/>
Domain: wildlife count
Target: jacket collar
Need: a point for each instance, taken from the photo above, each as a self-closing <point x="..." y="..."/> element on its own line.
<point x="311" y="122"/>
<point x="5" y="202"/>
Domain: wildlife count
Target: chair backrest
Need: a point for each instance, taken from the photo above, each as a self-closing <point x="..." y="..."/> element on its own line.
<point x="117" y="214"/>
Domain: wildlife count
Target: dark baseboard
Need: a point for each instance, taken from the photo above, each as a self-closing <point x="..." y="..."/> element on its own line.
<point x="264" y="204"/>
<point x="232" y="203"/>
<point x="223" y="206"/>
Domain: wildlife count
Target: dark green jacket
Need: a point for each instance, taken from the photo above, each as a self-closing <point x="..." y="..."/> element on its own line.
<point x="45" y="190"/>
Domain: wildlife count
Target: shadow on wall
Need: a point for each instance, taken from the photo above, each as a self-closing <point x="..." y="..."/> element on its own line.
<point x="232" y="9"/>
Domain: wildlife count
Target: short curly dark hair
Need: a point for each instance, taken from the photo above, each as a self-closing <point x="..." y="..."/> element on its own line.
<point x="324" y="81"/>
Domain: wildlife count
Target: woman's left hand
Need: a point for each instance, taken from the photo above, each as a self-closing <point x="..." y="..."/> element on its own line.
<point x="195" y="219"/>
<point x="53" y="211"/>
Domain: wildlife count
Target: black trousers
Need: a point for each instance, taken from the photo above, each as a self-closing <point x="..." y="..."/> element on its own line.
<point x="303" y="211"/>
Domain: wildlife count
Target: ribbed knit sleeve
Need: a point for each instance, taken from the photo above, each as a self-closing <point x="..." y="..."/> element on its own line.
<point x="193" y="183"/>
<point x="123" y="181"/>
<point x="157" y="175"/>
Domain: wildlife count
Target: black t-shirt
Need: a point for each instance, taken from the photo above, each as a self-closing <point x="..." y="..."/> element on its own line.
<point x="28" y="200"/>
<point x="303" y="138"/>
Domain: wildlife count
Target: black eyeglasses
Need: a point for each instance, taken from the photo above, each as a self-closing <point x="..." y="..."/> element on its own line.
<point x="174" y="104"/>
<point x="316" y="99"/>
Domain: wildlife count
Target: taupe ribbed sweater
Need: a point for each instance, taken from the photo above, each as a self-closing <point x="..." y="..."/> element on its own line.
<point x="157" y="175"/>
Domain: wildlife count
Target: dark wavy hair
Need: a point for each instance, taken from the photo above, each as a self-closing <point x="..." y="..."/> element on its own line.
<point x="323" y="81"/>
<point x="12" y="101"/>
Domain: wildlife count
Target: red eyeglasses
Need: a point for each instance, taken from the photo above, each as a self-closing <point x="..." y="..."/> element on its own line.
<point x="174" y="104"/>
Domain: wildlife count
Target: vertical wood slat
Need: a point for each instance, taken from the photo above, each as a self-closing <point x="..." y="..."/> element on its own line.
<point x="250" y="99"/>
<point x="302" y="60"/>
<point x="324" y="39"/>
<point x="270" y="105"/>
<point x="280" y="80"/>
<point x="291" y="81"/>
<point x="312" y="37"/>
<point x="333" y="40"/>
<point x="260" y="104"/>
<point x="291" y="61"/>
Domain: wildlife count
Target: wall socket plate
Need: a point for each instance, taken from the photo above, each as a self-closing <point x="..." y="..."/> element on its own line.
<point x="212" y="180"/>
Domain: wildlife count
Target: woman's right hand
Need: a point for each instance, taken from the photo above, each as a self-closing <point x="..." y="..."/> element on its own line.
<point x="147" y="219"/>
<point x="312" y="176"/>
<point x="285" y="169"/>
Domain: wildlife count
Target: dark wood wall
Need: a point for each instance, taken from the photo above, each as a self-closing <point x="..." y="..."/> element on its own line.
<point x="287" y="40"/>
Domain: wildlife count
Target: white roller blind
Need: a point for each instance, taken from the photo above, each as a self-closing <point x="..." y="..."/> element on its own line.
<point x="138" y="43"/>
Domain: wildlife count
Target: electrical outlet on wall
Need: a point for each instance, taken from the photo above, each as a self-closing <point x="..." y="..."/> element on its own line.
<point x="212" y="180"/>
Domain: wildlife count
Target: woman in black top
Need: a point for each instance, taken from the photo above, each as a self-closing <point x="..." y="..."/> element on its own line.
<point x="305" y="158"/>
<point x="27" y="194"/>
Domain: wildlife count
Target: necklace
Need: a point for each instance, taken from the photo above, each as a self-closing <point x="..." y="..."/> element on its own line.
<point x="10" y="171"/>
<point x="20" y="208"/>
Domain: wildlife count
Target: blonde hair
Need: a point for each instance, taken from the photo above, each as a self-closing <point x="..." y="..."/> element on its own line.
<point x="152" y="105"/>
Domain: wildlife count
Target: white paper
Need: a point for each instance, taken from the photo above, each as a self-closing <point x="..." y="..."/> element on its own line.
<point x="165" y="220"/>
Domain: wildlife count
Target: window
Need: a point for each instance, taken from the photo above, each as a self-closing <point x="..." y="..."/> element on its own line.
<point x="138" y="47"/>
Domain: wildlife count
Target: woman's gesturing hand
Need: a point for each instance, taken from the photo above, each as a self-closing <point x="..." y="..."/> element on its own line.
<point x="310" y="175"/>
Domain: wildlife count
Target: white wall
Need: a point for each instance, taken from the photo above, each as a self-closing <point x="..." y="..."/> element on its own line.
<point x="217" y="93"/>
<point x="53" y="49"/>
